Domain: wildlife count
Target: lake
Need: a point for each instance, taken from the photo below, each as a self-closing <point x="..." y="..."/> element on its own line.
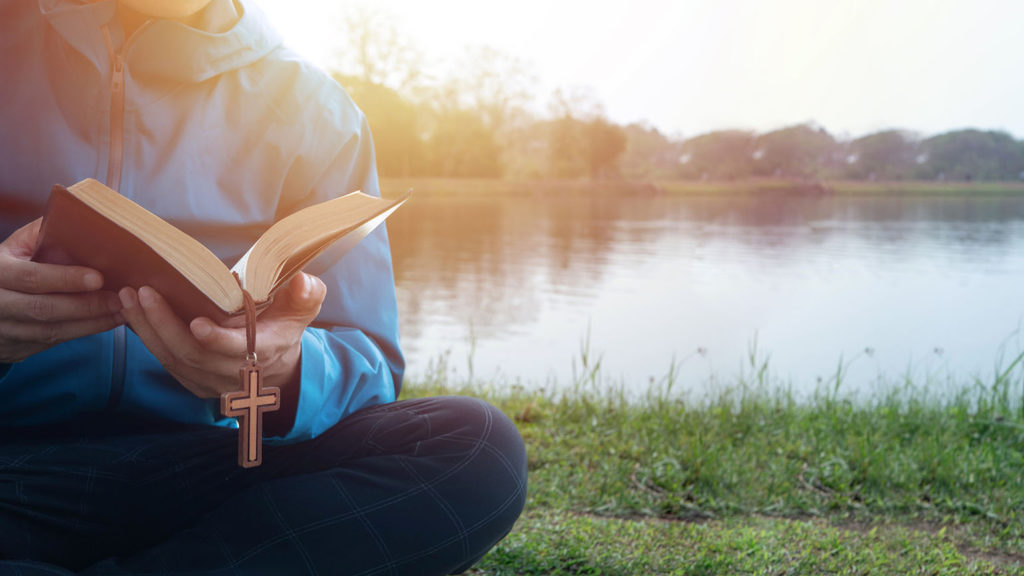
<point x="510" y="287"/>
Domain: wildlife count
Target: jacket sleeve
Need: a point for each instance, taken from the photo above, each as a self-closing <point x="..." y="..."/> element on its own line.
<point x="350" y="355"/>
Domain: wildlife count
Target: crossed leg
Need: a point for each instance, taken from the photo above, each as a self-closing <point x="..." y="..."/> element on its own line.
<point x="422" y="486"/>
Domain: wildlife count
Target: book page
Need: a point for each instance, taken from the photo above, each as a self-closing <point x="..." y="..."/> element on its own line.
<point x="292" y="242"/>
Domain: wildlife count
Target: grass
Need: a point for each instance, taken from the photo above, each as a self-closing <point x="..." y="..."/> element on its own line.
<point x="501" y="187"/>
<point x="560" y="543"/>
<point x="919" y="187"/>
<point x="753" y="481"/>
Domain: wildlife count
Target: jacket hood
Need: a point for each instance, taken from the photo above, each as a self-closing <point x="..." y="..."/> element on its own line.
<point x="163" y="49"/>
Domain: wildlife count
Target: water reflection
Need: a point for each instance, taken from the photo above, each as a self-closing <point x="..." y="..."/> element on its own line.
<point x="519" y="282"/>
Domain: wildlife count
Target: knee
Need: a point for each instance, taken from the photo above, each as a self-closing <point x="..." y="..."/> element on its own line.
<point x="493" y="485"/>
<point x="493" y="453"/>
<point x="502" y="436"/>
<point x="488" y="430"/>
<point x="505" y="438"/>
<point x="482" y="419"/>
<point x="471" y="449"/>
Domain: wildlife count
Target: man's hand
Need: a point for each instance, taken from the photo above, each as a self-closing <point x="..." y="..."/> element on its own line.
<point x="42" y="305"/>
<point x="204" y="357"/>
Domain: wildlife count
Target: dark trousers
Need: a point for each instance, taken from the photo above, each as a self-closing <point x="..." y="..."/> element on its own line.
<point x="422" y="486"/>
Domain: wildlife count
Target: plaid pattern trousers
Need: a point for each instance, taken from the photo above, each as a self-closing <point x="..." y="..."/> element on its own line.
<point x="422" y="486"/>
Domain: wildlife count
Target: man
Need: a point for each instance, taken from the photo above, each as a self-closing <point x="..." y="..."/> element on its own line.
<point x="114" y="458"/>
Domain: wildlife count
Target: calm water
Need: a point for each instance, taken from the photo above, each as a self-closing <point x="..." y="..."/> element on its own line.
<point x="931" y="287"/>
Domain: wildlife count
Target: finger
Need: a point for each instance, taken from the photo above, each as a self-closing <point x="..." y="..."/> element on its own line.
<point x="58" y="307"/>
<point x="220" y="339"/>
<point x="135" y="316"/>
<point x="36" y="278"/>
<point x="300" y="300"/>
<point x="22" y="243"/>
<point x="52" y="333"/>
<point x="189" y="355"/>
<point x="197" y="381"/>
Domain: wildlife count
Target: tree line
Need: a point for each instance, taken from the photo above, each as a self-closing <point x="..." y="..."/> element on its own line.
<point x="451" y="134"/>
<point x="809" y="152"/>
<point x="474" y="123"/>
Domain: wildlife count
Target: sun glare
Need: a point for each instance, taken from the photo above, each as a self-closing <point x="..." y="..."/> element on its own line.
<point x="697" y="66"/>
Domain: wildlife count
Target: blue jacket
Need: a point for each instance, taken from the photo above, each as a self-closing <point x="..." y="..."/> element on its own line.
<point x="221" y="134"/>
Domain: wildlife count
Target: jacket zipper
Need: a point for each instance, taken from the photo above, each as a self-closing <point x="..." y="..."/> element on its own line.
<point x="114" y="166"/>
<point x="116" y="124"/>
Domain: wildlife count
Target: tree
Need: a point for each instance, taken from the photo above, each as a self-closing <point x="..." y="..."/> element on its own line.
<point x="566" y="154"/>
<point x="604" y="144"/>
<point x="494" y="84"/>
<point x="972" y="155"/>
<point x="375" y="51"/>
<point x="886" y="155"/>
<point x="460" y="145"/>
<point x="525" y="149"/>
<point x="581" y="142"/>
<point x="649" y="154"/>
<point x="725" y="155"/>
<point x="575" y="102"/>
<point x="393" y="122"/>
<point x="801" y="151"/>
<point x="496" y="87"/>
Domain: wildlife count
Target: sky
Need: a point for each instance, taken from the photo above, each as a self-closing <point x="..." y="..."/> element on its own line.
<point x="685" y="67"/>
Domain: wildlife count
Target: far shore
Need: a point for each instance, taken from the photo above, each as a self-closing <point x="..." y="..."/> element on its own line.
<point x="653" y="188"/>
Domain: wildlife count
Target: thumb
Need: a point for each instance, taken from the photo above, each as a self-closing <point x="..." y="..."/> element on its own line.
<point x="22" y="242"/>
<point x="306" y="294"/>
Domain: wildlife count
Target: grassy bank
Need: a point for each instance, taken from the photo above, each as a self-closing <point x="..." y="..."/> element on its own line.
<point x="456" y="187"/>
<point x="927" y="188"/>
<point x="752" y="481"/>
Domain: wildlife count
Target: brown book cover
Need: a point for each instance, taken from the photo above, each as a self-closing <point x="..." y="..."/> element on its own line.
<point x="91" y="225"/>
<point x="72" y="232"/>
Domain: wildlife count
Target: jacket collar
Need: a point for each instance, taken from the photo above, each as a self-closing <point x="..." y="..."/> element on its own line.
<point x="80" y="25"/>
<point x="163" y="49"/>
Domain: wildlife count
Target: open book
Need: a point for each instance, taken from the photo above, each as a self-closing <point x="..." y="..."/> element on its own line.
<point x="91" y="225"/>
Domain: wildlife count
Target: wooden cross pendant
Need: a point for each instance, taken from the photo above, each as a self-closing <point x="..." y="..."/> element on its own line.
<point x="248" y="405"/>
